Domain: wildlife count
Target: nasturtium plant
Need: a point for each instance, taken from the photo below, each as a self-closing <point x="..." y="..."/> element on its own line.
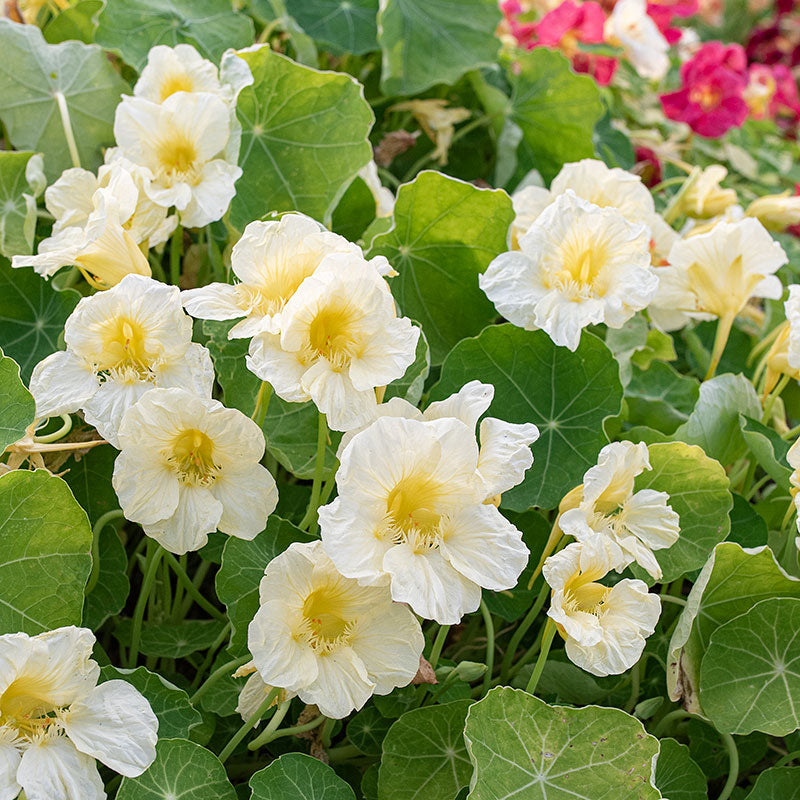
<point x="399" y="400"/>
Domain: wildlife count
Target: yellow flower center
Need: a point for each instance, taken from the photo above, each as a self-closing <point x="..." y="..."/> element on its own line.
<point x="176" y="82"/>
<point x="707" y="97"/>
<point x="325" y="626"/>
<point x="24" y="707"/>
<point x="579" y="268"/>
<point x="177" y="155"/>
<point x="411" y="512"/>
<point x="192" y="458"/>
<point x="127" y="353"/>
<point x="333" y="335"/>
<point x="581" y="593"/>
<point x="722" y="291"/>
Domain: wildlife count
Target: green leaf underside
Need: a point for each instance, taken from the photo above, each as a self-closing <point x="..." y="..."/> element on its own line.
<point x="346" y="27"/>
<point x="17" y="205"/>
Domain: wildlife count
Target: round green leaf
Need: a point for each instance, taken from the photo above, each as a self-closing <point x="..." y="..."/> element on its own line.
<point x="90" y="481"/>
<point x="677" y="776"/>
<point x="698" y="490"/>
<point x="304" y="138"/>
<point x="445" y="233"/>
<point x="132" y="27"/>
<point x="567" y="395"/>
<point x="367" y="729"/>
<point x="748" y="527"/>
<point x="243" y="565"/>
<point x="345" y="26"/>
<point x="17" y="205"/>
<point x="17" y="408"/>
<point x="182" y="769"/>
<point x="45" y="553"/>
<point x="778" y="783"/>
<point x="300" y="777"/>
<point x="176" y="716"/>
<point x="424" y="754"/>
<point x="660" y="397"/>
<point x="521" y="747"/>
<point x="173" y="640"/>
<point x="80" y="73"/>
<point x="750" y="673"/>
<point x="32" y="314"/>
<point x="425" y="42"/>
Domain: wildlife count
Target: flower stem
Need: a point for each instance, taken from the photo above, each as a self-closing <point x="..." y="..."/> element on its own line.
<point x="262" y="403"/>
<point x="547" y="640"/>
<point x="176" y="255"/>
<point x="438" y="644"/>
<point x="248" y="726"/>
<point x="294" y="730"/>
<point x="733" y="768"/>
<point x="521" y="630"/>
<point x="152" y="560"/>
<point x="217" y="674"/>
<point x="49" y="438"/>
<point x="191" y="589"/>
<point x="109" y="516"/>
<point x="309" y="521"/>
<point x="66" y="124"/>
<point x="769" y="400"/>
<point x="487" y="676"/>
<point x="724" y="325"/>
<point x="274" y="723"/>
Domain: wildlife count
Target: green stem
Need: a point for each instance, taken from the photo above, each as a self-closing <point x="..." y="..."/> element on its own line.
<point x="262" y="403"/>
<point x="209" y="659"/>
<point x="733" y="768"/>
<point x="438" y="644"/>
<point x="327" y="732"/>
<point x="220" y="672"/>
<point x="248" y="726"/>
<point x="788" y="758"/>
<point x="636" y="682"/>
<point x="197" y="582"/>
<point x="309" y="521"/>
<point x="769" y="402"/>
<point x="296" y="729"/>
<point x="274" y="723"/>
<point x="176" y="255"/>
<point x="56" y="435"/>
<point x="547" y="640"/>
<point x="192" y="590"/>
<point x="344" y="753"/>
<point x="521" y="630"/>
<point x="96" y="531"/>
<point x="154" y="555"/>
<point x="66" y="124"/>
<point x="487" y="620"/>
<point x="672" y="599"/>
<point x="668" y="719"/>
<point x="724" y="325"/>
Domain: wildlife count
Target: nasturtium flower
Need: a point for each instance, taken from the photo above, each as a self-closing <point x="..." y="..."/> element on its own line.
<point x="188" y="467"/>
<point x="604" y="628"/>
<point x="776" y="212"/>
<point x="705" y="197"/>
<point x="630" y="27"/>
<point x="120" y="344"/>
<point x="328" y="639"/>
<point x="578" y="264"/>
<point x="783" y="357"/>
<point x="255" y="692"/>
<point x="793" y="458"/>
<point x="340" y="339"/>
<point x="55" y="719"/>
<point x="415" y="505"/>
<point x="384" y="199"/>
<point x="271" y="260"/>
<point x="633" y="523"/>
<point x="714" y="274"/>
<point x="183" y="144"/>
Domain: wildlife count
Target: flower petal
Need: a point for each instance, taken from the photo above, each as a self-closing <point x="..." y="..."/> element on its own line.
<point x="53" y="769"/>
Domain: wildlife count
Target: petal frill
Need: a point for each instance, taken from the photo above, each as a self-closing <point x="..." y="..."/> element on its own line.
<point x="342" y="684"/>
<point x="61" y="384"/>
<point x="505" y="454"/>
<point x="467" y="404"/>
<point x="147" y="489"/>
<point x="218" y="301"/>
<point x="197" y="514"/>
<point x="53" y="769"/>
<point x="248" y="496"/>
<point x="108" y="405"/>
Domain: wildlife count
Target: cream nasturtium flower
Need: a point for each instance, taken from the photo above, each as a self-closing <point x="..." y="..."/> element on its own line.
<point x="714" y="274"/>
<point x="632" y="523"/>
<point x="55" y="719"/>
<point x="271" y="260"/>
<point x="120" y="344"/>
<point x="339" y="341"/>
<point x="705" y="197"/>
<point x="326" y="638"/>
<point x="189" y="466"/>
<point x="604" y="628"/>
<point x="776" y="212"/>
<point x="415" y="505"/>
<point x="783" y="357"/>
<point x="632" y="28"/>
<point x="577" y="265"/>
<point x="183" y="145"/>
<point x="793" y="457"/>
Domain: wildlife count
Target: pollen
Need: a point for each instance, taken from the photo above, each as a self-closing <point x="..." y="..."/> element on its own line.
<point x="192" y="458"/>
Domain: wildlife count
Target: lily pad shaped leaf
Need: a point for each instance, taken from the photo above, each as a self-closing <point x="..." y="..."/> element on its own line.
<point x="344" y="26"/>
<point x="522" y="747"/>
<point x="17" y="407"/>
<point x="300" y="777"/>
<point x="778" y="783"/>
<point x="304" y="138"/>
<point x="70" y="85"/>
<point x="750" y="673"/>
<point x="18" y="201"/>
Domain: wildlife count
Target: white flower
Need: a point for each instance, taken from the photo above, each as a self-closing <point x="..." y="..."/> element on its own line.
<point x="578" y="264"/>
<point x="714" y="274"/>
<point x="705" y="197"/>
<point x="793" y="458"/>
<point x="323" y="636"/>
<point x="189" y="466"/>
<point x="120" y="344"/>
<point x="414" y="505"/>
<point x="528" y="202"/>
<point x="255" y="692"/>
<point x="339" y="340"/>
<point x="271" y="260"/>
<point x="55" y="720"/>
<point x="604" y="628"/>
<point x="182" y="143"/>
<point x="645" y="46"/>
<point x="384" y="199"/>
<point x="776" y="211"/>
<point x="634" y="523"/>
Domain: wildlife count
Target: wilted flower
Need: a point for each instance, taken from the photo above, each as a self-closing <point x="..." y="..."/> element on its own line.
<point x="120" y="344"/>
<point x="182" y="143"/>
<point x="189" y="466"/>
<point x="578" y="264"/>
<point x="633" y="524"/>
<point x="326" y="638"/>
<point x="415" y="504"/>
<point x="340" y="339"/>
<point x="630" y="27"/>
<point x="271" y="260"/>
<point x="776" y="212"/>
<point x="437" y="120"/>
<point x="55" y="720"/>
<point x="384" y="199"/>
<point x="604" y="628"/>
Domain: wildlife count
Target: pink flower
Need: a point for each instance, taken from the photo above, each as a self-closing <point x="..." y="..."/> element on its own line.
<point x="772" y="93"/>
<point x="648" y="166"/>
<point x="566" y="26"/>
<point x="711" y="100"/>
<point x="664" y="12"/>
